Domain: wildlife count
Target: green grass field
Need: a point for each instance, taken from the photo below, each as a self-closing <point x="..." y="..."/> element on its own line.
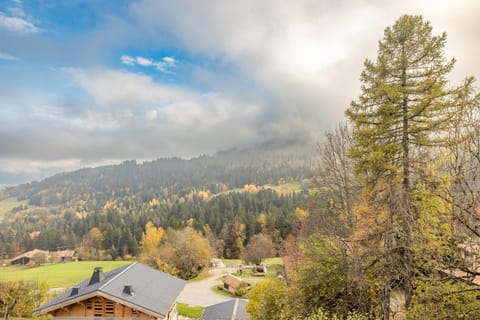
<point x="189" y="311"/>
<point x="8" y="204"/>
<point x="61" y="275"/>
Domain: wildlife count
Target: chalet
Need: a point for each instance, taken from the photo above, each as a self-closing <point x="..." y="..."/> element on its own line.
<point x="233" y="309"/>
<point x="28" y="256"/>
<point x="132" y="291"/>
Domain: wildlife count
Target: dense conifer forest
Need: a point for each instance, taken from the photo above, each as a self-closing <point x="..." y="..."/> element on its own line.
<point x="213" y="193"/>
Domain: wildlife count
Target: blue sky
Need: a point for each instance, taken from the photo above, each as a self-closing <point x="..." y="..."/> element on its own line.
<point x="86" y="83"/>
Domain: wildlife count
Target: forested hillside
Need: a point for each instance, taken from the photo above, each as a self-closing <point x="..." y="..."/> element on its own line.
<point x="222" y="195"/>
<point x="173" y="176"/>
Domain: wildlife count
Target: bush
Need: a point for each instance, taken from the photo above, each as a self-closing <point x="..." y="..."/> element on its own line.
<point x="242" y="289"/>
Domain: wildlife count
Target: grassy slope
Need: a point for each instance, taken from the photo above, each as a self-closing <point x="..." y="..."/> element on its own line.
<point x="8" y="204"/>
<point x="61" y="275"/>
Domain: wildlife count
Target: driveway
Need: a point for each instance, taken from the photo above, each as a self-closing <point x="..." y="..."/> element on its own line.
<point x="199" y="293"/>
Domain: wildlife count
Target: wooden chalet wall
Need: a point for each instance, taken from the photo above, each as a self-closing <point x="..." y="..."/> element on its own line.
<point x="99" y="307"/>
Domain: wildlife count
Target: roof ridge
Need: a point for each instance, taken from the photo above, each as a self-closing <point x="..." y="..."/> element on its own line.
<point x="116" y="276"/>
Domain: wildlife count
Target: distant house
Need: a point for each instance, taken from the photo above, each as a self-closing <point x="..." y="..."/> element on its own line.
<point x="233" y="309"/>
<point x="64" y="256"/>
<point x="231" y="283"/>
<point x="132" y="291"/>
<point x="28" y="256"/>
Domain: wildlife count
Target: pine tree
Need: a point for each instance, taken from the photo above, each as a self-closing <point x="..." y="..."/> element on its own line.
<point x="405" y="109"/>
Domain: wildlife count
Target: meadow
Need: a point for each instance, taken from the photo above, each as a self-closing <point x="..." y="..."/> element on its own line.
<point x="8" y="204"/>
<point x="60" y="275"/>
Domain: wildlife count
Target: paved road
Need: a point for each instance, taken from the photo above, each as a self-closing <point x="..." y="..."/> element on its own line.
<point x="199" y="293"/>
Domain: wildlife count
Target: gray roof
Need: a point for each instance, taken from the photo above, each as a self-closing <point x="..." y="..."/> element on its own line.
<point x="154" y="292"/>
<point x="231" y="310"/>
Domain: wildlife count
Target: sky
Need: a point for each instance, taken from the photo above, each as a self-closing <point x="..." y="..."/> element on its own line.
<point x="87" y="82"/>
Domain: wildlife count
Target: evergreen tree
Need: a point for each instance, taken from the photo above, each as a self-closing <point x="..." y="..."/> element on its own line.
<point x="405" y="109"/>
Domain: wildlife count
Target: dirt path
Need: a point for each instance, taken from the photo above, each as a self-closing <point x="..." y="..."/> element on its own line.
<point x="199" y="293"/>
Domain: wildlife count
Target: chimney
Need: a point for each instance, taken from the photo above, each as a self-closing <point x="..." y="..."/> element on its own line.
<point x="97" y="276"/>
<point x="128" y="289"/>
<point x="74" y="291"/>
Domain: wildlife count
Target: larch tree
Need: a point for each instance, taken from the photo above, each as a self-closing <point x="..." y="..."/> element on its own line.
<point x="151" y="238"/>
<point x="403" y="114"/>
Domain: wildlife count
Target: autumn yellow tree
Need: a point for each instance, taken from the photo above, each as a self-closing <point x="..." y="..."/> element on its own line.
<point x="94" y="243"/>
<point x="150" y="242"/>
<point x="268" y="300"/>
<point x="19" y="299"/>
<point x="151" y="238"/>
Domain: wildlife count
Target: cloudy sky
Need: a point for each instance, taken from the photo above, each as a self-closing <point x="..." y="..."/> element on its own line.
<point x="87" y="82"/>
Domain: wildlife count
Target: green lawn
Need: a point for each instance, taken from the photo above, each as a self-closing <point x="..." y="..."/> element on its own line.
<point x="189" y="311"/>
<point x="61" y="275"/>
<point x="8" y="204"/>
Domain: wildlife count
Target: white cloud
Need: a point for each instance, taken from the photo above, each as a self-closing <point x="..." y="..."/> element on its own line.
<point x="120" y="90"/>
<point x="41" y="168"/>
<point x="307" y="54"/>
<point x="177" y="121"/>
<point x="17" y="24"/>
<point x="144" y="62"/>
<point x="151" y="115"/>
<point x="36" y="166"/>
<point x="129" y="61"/>
<point x="163" y="66"/>
<point x="6" y="56"/>
<point x="169" y="61"/>
<point x="291" y="50"/>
